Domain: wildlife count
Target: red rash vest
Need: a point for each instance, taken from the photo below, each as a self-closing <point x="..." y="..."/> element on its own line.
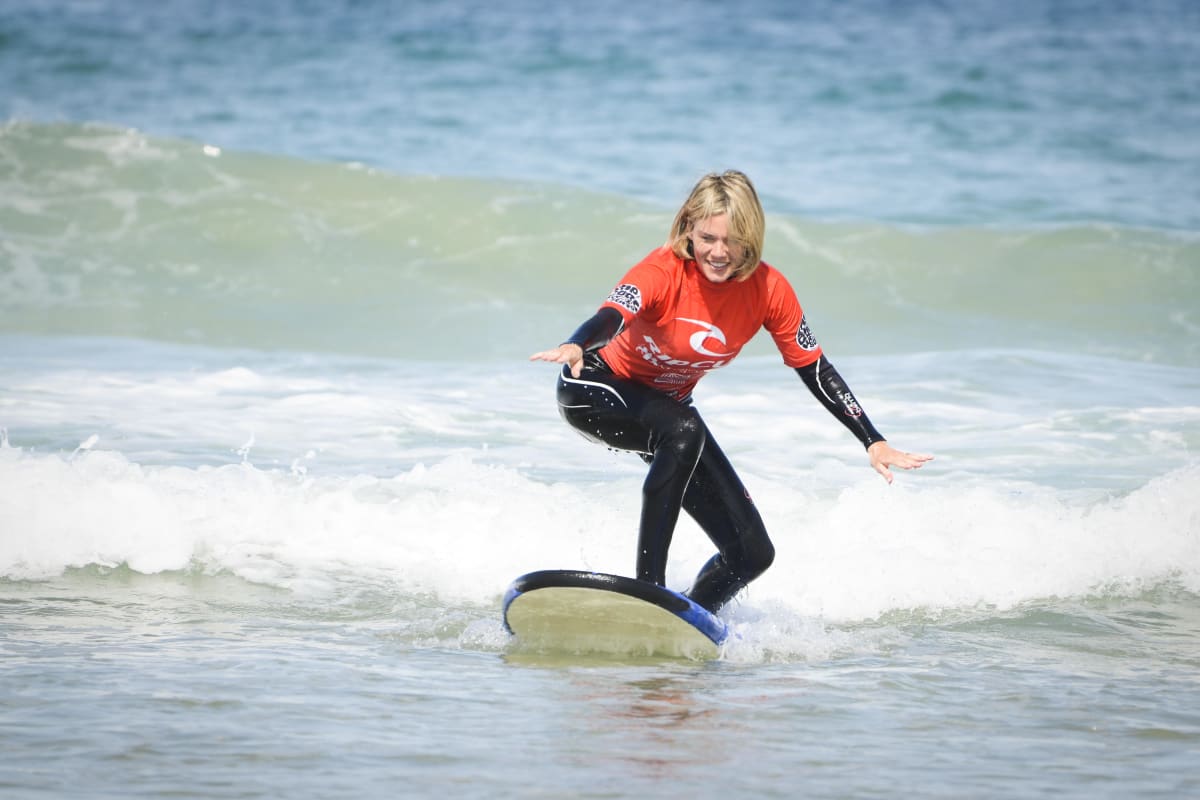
<point x="679" y="325"/>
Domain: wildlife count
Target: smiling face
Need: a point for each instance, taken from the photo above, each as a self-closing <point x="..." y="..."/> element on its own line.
<point x="716" y="254"/>
<point x="720" y="227"/>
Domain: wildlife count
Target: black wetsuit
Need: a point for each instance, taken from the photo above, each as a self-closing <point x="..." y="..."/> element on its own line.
<point x="687" y="467"/>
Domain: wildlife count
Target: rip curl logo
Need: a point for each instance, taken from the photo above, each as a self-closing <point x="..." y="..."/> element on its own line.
<point x="628" y="297"/>
<point x="851" y="406"/>
<point x="699" y="339"/>
<point x="655" y="355"/>
<point x="804" y="336"/>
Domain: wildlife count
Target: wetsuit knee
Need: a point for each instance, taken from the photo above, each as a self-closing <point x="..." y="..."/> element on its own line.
<point x="755" y="558"/>
<point x="728" y="572"/>
<point x="675" y="445"/>
<point x="750" y="556"/>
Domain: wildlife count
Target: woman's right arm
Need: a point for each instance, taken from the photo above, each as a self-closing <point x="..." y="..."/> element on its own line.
<point x="591" y="335"/>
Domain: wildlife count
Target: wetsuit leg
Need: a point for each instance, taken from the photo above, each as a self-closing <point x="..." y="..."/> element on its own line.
<point x="721" y="506"/>
<point x="670" y="435"/>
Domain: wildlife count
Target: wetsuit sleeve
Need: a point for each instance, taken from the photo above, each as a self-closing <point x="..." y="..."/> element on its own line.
<point x="828" y="387"/>
<point x="598" y="331"/>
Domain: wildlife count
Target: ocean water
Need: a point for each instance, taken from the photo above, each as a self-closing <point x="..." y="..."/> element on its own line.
<point x="271" y="451"/>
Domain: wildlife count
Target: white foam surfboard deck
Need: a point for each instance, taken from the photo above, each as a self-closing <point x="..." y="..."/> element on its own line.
<point x="592" y="612"/>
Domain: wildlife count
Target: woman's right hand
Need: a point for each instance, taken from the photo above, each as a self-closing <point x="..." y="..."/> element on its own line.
<point x="569" y="354"/>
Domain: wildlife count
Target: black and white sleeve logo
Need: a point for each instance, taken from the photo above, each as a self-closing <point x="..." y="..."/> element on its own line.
<point x="627" y="296"/>
<point x="804" y="337"/>
<point x="850" y="405"/>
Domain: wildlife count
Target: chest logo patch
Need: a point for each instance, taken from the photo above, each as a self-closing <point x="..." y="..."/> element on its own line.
<point x="699" y="339"/>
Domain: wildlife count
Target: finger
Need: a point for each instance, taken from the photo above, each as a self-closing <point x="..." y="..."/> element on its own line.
<point x="915" y="460"/>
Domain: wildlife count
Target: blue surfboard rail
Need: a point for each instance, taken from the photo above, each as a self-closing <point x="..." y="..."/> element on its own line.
<point x="678" y="604"/>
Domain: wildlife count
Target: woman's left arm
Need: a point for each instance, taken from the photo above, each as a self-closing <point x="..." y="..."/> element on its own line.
<point x="832" y="392"/>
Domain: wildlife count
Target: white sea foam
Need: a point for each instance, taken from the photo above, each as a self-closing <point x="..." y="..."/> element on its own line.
<point x="317" y="473"/>
<point x="459" y="529"/>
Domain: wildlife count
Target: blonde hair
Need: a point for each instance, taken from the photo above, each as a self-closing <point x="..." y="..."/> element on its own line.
<point x="732" y="194"/>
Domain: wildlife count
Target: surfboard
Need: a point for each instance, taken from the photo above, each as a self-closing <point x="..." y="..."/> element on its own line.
<point x="594" y="612"/>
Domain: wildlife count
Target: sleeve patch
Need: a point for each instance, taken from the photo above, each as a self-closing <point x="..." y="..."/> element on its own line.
<point x="804" y="336"/>
<point x="628" y="297"/>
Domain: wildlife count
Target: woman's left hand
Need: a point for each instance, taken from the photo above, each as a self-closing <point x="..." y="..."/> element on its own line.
<point x="883" y="455"/>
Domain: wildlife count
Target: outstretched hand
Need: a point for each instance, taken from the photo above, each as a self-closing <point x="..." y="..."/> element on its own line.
<point x="883" y="455"/>
<point x="569" y="354"/>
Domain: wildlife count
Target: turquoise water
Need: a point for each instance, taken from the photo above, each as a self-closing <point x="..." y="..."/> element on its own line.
<point x="1081" y="110"/>
<point x="270" y="450"/>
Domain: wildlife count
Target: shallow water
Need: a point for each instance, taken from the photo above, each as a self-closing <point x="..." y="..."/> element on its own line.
<point x="208" y="686"/>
